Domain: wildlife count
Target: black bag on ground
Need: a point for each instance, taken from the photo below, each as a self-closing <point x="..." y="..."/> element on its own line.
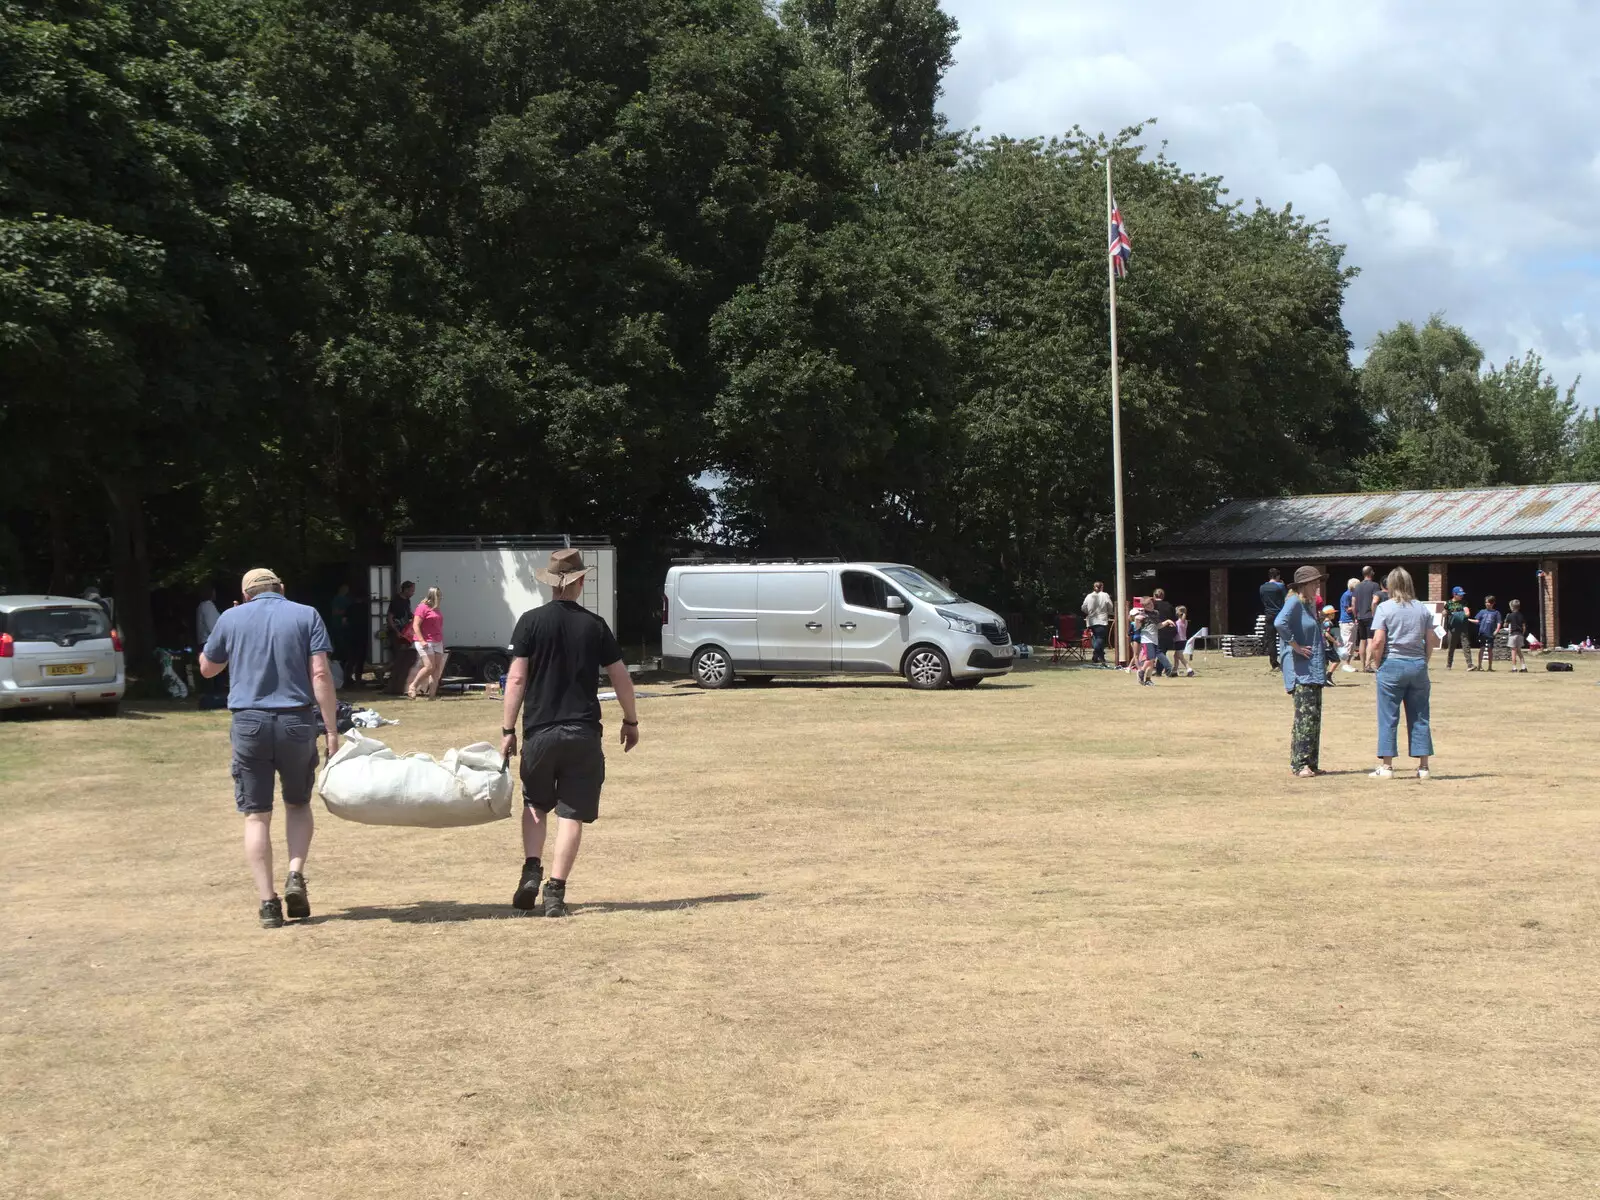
<point x="341" y="717"/>
<point x="1558" y="666"/>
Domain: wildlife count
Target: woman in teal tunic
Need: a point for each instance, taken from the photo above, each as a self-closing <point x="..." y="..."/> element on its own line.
<point x="1304" y="664"/>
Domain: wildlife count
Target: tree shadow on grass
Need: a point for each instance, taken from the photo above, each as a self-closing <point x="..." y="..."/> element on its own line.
<point x="431" y="911"/>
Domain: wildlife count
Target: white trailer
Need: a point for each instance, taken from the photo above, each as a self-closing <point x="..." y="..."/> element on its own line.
<point x="487" y="583"/>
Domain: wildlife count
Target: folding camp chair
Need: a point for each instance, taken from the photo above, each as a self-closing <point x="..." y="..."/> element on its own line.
<point x="1069" y="642"/>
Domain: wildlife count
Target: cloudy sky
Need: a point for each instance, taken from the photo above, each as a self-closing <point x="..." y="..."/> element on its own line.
<point x="1453" y="147"/>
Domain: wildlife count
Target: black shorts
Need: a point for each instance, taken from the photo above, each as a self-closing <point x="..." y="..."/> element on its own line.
<point x="563" y="768"/>
<point x="1363" y="631"/>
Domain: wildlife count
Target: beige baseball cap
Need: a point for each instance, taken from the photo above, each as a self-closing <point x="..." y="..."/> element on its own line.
<point x="258" y="578"/>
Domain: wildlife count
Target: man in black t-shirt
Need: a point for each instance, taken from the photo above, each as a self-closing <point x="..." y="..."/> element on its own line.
<point x="557" y="653"/>
<point x="1274" y="595"/>
<point x="402" y="654"/>
<point x="1368" y="593"/>
<point x="1166" y="627"/>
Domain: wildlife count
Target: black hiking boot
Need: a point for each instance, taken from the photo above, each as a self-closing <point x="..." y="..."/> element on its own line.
<point x="272" y="914"/>
<point x="295" y="901"/>
<point x="555" y="898"/>
<point x="526" y="897"/>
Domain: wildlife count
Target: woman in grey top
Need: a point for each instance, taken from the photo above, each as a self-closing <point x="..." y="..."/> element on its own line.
<point x="1402" y="640"/>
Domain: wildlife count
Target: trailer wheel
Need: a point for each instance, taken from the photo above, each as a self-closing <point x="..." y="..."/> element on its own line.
<point x="711" y="668"/>
<point x="492" y="667"/>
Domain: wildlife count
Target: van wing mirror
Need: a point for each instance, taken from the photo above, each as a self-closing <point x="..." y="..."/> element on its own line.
<point x="896" y="603"/>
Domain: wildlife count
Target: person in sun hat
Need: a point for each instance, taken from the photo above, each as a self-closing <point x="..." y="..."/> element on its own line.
<point x="276" y="654"/>
<point x="1305" y="671"/>
<point x="558" y="651"/>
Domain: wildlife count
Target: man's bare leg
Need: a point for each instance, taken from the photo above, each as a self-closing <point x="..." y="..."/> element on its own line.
<point x="569" y="834"/>
<point x="533" y="830"/>
<point x="258" y="851"/>
<point x="299" y="823"/>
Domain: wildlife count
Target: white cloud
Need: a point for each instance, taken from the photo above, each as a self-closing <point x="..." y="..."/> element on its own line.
<point x="1451" y="146"/>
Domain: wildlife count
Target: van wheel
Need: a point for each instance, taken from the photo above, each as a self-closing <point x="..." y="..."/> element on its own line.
<point x="711" y="668"/>
<point x="966" y="685"/>
<point x="927" y="668"/>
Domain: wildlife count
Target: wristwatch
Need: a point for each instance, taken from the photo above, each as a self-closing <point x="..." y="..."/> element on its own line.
<point x="508" y="733"/>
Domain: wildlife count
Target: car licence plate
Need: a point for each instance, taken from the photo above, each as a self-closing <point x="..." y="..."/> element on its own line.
<point x="68" y="669"/>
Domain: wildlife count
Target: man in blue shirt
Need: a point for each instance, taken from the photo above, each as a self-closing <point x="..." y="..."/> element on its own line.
<point x="276" y="654"/>
<point x="1347" y="625"/>
<point x="1273" y="594"/>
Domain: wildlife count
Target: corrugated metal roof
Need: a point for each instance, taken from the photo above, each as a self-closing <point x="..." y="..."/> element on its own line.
<point x="1383" y="551"/>
<point x="1553" y="509"/>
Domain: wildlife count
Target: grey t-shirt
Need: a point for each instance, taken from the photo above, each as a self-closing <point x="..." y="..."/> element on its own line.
<point x="1405" y="625"/>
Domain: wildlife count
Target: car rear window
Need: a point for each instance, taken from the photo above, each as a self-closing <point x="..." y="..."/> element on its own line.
<point x="62" y="624"/>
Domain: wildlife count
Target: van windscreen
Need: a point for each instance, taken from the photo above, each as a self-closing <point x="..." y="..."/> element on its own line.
<point x="920" y="586"/>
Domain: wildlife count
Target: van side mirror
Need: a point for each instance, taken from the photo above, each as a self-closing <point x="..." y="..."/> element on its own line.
<point x="895" y="604"/>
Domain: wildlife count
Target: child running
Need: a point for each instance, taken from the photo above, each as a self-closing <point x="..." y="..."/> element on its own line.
<point x="1517" y="635"/>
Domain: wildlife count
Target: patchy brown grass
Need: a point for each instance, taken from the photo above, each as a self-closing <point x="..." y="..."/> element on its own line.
<point x="1056" y="937"/>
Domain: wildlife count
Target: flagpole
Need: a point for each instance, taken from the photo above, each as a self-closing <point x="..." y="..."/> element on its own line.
<point x="1116" y="439"/>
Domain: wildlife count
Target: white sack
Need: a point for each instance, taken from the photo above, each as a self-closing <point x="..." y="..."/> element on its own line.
<point x="368" y="782"/>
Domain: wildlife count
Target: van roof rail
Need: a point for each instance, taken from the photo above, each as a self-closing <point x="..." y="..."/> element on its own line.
<point x="698" y="561"/>
<point x="799" y="562"/>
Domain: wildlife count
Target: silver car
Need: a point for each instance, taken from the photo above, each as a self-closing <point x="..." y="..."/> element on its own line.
<point x="58" y="650"/>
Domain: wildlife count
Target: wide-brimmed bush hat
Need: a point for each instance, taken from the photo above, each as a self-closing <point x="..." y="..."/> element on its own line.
<point x="566" y="567"/>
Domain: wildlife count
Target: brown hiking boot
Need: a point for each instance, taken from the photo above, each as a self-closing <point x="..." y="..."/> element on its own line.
<point x="295" y="901"/>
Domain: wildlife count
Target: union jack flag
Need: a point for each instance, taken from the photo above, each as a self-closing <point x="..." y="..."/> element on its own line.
<point x="1121" y="247"/>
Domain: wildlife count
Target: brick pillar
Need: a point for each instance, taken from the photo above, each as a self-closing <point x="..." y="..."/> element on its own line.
<point x="1219" y="600"/>
<point x="1437" y="573"/>
<point x="1550" y="618"/>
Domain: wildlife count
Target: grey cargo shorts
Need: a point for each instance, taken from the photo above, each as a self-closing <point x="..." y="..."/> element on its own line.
<point x="270" y="742"/>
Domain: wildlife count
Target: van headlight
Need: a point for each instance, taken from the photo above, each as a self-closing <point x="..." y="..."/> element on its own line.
<point x="957" y="622"/>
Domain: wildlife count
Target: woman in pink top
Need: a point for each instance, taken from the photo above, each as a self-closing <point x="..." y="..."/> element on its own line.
<point x="427" y="631"/>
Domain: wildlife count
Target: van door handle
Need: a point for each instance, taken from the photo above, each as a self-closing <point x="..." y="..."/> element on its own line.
<point x="813" y="625"/>
<point x="847" y="625"/>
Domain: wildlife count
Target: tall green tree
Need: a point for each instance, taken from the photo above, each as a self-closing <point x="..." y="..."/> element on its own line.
<point x="944" y="374"/>
<point x="893" y="55"/>
<point x="1537" y="425"/>
<point x="1423" y="389"/>
<point x="1441" y="420"/>
<point x="527" y="215"/>
<point x="130" y="332"/>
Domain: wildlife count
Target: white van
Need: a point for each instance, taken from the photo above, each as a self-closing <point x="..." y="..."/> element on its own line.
<point x="822" y="617"/>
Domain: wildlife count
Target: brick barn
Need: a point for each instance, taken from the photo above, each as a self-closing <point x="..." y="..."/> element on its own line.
<point x="1487" y="540"/>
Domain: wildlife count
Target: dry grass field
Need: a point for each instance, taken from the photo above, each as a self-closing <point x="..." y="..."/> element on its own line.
<point x="1060" y="936"/>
